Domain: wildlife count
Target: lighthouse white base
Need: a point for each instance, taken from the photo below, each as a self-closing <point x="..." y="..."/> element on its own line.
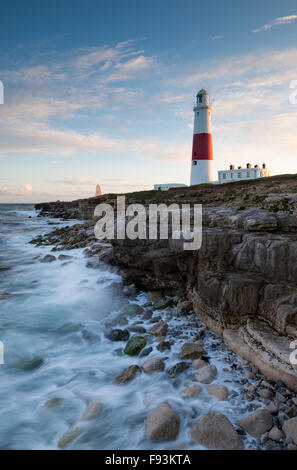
<point x="202" y="172"/>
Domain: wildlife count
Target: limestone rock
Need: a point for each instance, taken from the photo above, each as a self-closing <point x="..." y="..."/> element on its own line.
<point x="275" y="434"/>
<point x="145" y="352"/>
<point x="133" y="310"/>
<point x="92" y="411"/>
<point x="135" y="345"/>
<point x="48" y="259"/>
<point x="218" y="391"/>
<point x="257" y="423"/>
<point x="55" y="401"/>
<point x="116" y="334"/>
<point x="214" y="431"/>
<point x="265" y="393"/>
<point x="177" y="369"/>
<point x="159" y="329"/>
<point x="162" y="423"/>
<point x="163" y="345"/>
<point x="69" y="436"/>
<point x="137" y="329"/>
<point x="290" y="429"/>
<point x="206" y="374"/>
<point x="192" y="390"/>
<point x="192" y="351"/>
<point x="64" y="257"/>
<point x="127" y="374"/>
<point x="155" y="364"/>
<point x="199" y="363"/>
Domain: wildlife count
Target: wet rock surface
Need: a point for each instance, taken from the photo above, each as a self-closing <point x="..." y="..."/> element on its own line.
<point x="174" y="324"/>
<point x="162" y="423"/>
<point x="214" y="431"/>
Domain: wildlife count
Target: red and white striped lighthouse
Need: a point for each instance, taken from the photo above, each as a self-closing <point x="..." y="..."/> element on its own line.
<point x="202" y="155"/>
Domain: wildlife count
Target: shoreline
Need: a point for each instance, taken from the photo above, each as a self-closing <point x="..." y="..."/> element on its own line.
<point x="255" y="387"/>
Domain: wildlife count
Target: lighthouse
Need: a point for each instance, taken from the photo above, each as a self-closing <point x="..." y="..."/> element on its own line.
<point x="202" y="155"/>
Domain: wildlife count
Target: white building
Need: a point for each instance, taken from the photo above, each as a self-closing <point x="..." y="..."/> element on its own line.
<point x="166" y="187"/>
<point x="248" y="173"/>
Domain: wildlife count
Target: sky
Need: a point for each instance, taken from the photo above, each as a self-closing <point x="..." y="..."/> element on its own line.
<point x="102" y="92"/>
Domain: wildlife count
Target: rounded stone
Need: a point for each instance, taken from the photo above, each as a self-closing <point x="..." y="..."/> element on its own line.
<point x="162" y="423"/>
<point x="214" y="431"/>
<point x="218" y="391"/>
<point x="135" y="345"/>
<point x="155" y="364"/>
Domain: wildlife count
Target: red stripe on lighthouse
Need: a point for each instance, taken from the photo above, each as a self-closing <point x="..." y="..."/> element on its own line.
<point x="202" y="147"/>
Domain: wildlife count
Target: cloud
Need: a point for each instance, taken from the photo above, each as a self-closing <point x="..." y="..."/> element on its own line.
<point x="215" y="38"/>
<point x="24" y="190"/>
<point x="74" y="181"/>
<point x="278" y="21"/>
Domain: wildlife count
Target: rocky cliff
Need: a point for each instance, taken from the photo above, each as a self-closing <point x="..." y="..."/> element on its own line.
<point x="243" y="280"/>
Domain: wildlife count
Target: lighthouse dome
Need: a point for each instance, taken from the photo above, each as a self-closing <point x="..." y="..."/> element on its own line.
<point x="202" y="97"/>
<point x="203" y="91"/>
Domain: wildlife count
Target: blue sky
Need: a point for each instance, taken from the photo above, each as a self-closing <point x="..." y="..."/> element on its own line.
<point x="103" y="91"/>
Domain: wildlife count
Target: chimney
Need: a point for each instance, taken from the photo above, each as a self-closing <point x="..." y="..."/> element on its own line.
<point x="231" y="167"/>
<point x="256" y="166"/>
<point x="264" y="165"/>
<point x="240" y="167"/>
<point x="248" y="165"/>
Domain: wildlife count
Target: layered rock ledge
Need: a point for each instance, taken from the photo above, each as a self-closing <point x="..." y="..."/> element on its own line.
<point x="242" y="282"/>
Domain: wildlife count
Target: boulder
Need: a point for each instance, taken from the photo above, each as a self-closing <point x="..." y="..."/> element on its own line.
<point x="55" y="401"/>
<point x="145" y="352"/>
<point x="155" y="364"/>
<point x="116" y="334"/>
<point x="135" y="345"/>
<point x="192" y="390"/>
<point x="64" y="257"/>
<point x="137" y="329"/>
<point x="276" y="434"/>
<point x="133" y="310"/>
<point x="163" y="345"/>
<point x="206" y="374"/>
<point x="257" y="423"/>
<point x="127" y="374"/>
<point x="177" y="369"/>
<point x="69" y="436"/>
<point x="214" y="431"/>
<point x="199" y="363"/>
<point x="265" y="393"/>
<point x="92" y="411"/>
<point x="290" y="429"/>
<point x="162" y="423"/>
<point x="159" y="329"/>
<point x="192" y="351"/>
<point x="218" y="391"/>
<point x="48" y="259"/>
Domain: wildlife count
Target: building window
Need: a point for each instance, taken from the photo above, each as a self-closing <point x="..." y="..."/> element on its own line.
<point x="248" y="174"/>
<point x="224" y="176"/>
<point x="231" y="175"/>
<point x="239" y="174"/>
<point x="194" y="162"/>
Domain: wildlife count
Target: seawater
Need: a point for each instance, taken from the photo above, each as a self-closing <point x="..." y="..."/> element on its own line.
<point x="52" y="318"/>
